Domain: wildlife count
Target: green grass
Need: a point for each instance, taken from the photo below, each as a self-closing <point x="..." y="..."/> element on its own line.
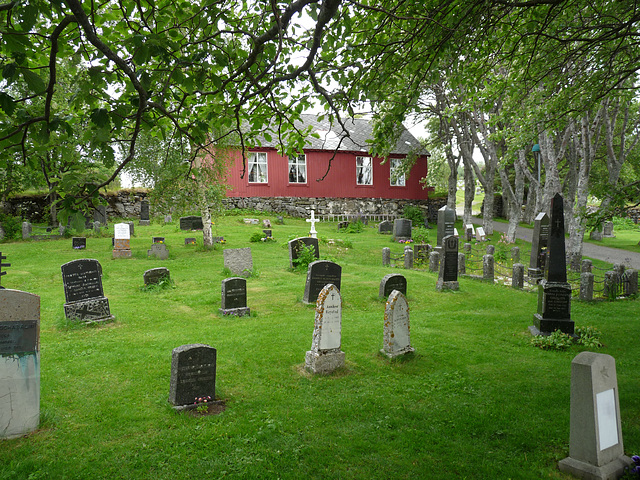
<point x="475" y="401"/>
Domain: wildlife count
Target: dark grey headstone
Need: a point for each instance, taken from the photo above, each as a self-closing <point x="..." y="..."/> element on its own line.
<point x="157" y="239"/>
<point x="391" y="282"/>
<point x="319" y="274"/>
<point x="539" y="246"/>
<point x="100" y="215"/>
<point x="155" y="275"/>
<point x="79" y="243"/>
<point x="385" y="227"/>
<point x="268" y="233"/>
<point x="193" y="374"/>
<point x="448" y="271"/>
<point x="82" y="279"/>
<point x="557" y="268"/>
<point x="297" y="244"/>
<point x="402" y="229"/>
<point x="234" y="297"/>
<point x="190" y="241"/>
<point x="192" y="222"/>
<point x="446" y="223"/>
<point x="144" y="210"/>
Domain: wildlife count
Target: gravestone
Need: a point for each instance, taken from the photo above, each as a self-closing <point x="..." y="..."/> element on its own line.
<point x="554" y="292"/>
<point x="319" y="274"/>
<point x="391" y="282"/>
<point x="192" y="222"/>
<point x="218" y="240"/>
<point x="266" y="223"/>
<point x="26" y="230"/>
<point x="470" y="232"/>
<point x="595" y="440"/>
<point x="607" y="229"/>
<point x="154" y="276"/>
<point x="132" y="228"/>
<point x="401" y="229"/>
<point x="121" y="239"/>
<point x="251" y="221"/>
<point x="455" y="232"/>
<point x="168" y="219"/>
<point x="343" y="225"/>
<point x="157" y="239"/>
<point x="312" y="221"/>
<point x="448" y="272"/>
<point x="2" y="264"/>
<point x="280" y="220"/>
<point x="325" y="355"/>
<point x="446" y="222"/>
<point x="596" y="234"/>
<point x="1" y="233"/>
<point x="234" y="297"/>
<point x="239" y="261"/>
<point x="79" y="243"/>
<point x="158" y="250"/>
<point x="385" y="227"/>
<point x="480" y="235"/>
<point x="268" y="233"/>
<point x="100" y="215"/>
<point x="96" y="227"/>
<point x="539" y="247"/>
<point x="193" y="374"/>
<point x="386" y="256"/>
<point x="297" y="244"/>
<point x="190" y="241"/>
<point x="19" y="363"/>
<point x="396" y="338"/>
<point x="144" y="213"/>
<point x="85" y="300"/>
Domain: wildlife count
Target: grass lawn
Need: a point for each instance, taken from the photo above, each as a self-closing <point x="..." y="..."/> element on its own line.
<point x="476" y="400"/>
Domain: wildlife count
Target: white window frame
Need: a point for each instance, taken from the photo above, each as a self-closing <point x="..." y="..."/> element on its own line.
<point x="298" y="163"/>
<point x="361" y="167"/>
<point x="258" y="167"/>
<point x="394" y="165"/>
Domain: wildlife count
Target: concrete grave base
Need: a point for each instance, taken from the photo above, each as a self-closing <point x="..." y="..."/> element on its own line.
<point x="323" y="362"/>
<point x="118" y="253"/>
<point x="235" y="312"/>
<point x="610" y="471"/>
<point x="440" y="285"/>
<point x="398" y="353"/>
<point x="145" y="223"/>
<point x="95" y="310"/>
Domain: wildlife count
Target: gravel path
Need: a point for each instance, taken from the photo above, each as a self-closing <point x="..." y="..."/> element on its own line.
<point x="589" y="250"/>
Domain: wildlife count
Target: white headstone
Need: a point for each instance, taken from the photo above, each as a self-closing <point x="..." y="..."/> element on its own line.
<point x="312" y="221"/>
<point x="325" y="355"/>
<point x="455" y="232"/>
<point x="121" y="231"/>
<point x="480" y="235"/>
<point x="396" y="339"/>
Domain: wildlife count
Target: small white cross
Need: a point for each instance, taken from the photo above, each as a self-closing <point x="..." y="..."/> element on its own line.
<point x="312" y="221"/>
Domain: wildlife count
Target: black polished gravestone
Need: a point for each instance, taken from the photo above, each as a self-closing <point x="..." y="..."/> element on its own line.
<point x="234" y="297"/>
<point x="79" y="243"/>
<point x="448" y="273"/>
<point x="391" y="282"/>
<point x="297" y="244"/>
<point x="539" y="247"/>
<point x="319" y="274"/>
<point x="554" y="292"/>
<point x="85" y="300"/>
<point x="193" y="374"/>
<point x="192" y="222"/>
<point x="446" y="223"/>
<point x="144" y="213"/>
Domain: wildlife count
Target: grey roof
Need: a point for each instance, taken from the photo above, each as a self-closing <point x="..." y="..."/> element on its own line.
<point x="360" y="130"/>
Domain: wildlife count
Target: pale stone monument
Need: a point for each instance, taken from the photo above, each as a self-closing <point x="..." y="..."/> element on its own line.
<point x="595" y="445"/>
<point x="312" y="221"/>
<point x="396" y="338"/>
<point x="325" y="355"/>
<point x="121" y="240"/>
<point x="19" y="363"/>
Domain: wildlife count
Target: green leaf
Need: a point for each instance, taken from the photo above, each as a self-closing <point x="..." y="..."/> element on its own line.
<point x="33" y="81"/>
<point x="7" y="104"/>
<point x="9" y="71"/>
<point x="42" y="134"/>
<point x="100" y="117"/>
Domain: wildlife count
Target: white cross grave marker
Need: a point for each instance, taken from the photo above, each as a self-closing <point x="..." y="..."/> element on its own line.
<point x="312" y="221"/>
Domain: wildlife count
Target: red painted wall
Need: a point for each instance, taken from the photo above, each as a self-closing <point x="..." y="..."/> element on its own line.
<point x="339" y="182"/>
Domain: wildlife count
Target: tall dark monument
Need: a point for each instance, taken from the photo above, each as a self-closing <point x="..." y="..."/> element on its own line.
<point x="554" y="292"/>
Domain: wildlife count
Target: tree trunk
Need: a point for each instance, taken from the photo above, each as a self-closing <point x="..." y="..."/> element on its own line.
<point x="469" y="194"/>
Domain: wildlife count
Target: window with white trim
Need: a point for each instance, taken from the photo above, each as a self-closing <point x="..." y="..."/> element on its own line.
<point x="298" y="169"/>
<point x="257" y="167"/>
<point x="396" y="177"/>
<point x="364" y="171"/>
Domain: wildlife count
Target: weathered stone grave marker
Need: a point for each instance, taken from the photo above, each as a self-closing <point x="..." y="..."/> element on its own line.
<point x="239" y="261"/>
<point x="448" y="272"/>
<point x="385" y="227"/>
<point x="539" y="247"/>
<point x="121" y="240"/>
<point x="144" y="213"/>
<point x="85" y="300"/>
<point x="153" y="276"/>
<point x="595" y="446"/>
<point x="391" y="282"/>
<point x="396" y="338"/>
<point x="234" y="297"/>
<point x="446" y="222"/>
<point x="554" y="292"/>
<point x="297" y="244"/>
<point x="192" y="222"/>
<point x="193" y="374"/>
<point x="19" y="363"/>
<point x="100" y="215"/>
<point x="401" y="229"/>
<point x="319" y="274"/>
<point x="607" y="229"/>
<point x="480" y="235"/>
<point x="79" y="243"/>
<point x="190" y="241"/>
<point x="325" y="355"/>
<point x="470" y="232"/>
<point x="158" y="250"/>
<point x="157" y="239"/>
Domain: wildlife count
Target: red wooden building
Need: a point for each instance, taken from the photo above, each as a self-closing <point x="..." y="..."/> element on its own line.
<point x="354" y="173"/>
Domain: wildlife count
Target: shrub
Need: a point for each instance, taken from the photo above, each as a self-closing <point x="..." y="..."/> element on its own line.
<point x="354" y="227"/>
<point x="414" y="214"/>
<point x="306" y="255"/>
<point x="11" y="225"/>
<point x="420" y="235"/>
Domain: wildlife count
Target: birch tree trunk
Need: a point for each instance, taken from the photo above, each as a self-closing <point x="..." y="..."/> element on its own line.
<point x="469" y="193"/>
<point x="513" y="195"/>
<point x="551" y="157"/>
<point x="207" y="233"/>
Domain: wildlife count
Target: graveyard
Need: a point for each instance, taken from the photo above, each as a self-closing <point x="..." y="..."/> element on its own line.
<point x="471" y="398"/>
